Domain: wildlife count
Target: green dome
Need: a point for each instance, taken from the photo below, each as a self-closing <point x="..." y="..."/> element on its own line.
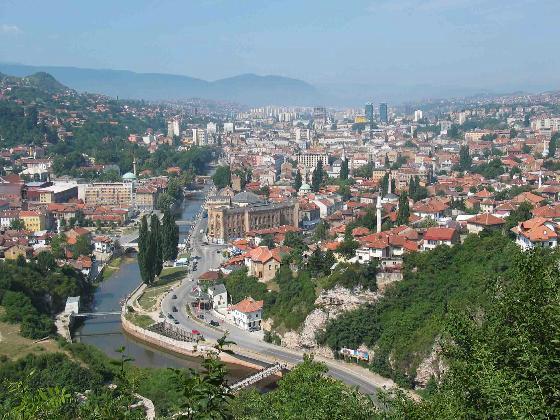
<point x="129" y="176"/>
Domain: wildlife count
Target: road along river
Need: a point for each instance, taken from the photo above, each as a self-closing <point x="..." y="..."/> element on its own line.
<point x="105" y="333"/>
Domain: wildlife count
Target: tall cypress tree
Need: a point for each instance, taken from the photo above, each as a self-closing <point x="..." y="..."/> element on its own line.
<point x="156" y="252"/>
<point x="298" y="181"/>
<point x="169" y="236"/>
<point x="412" y="187"/>
<point x="404" y="210"/>
<point x="143" y="250"/>
<point x="344" y="171"/>
<point x="317" y="177"/>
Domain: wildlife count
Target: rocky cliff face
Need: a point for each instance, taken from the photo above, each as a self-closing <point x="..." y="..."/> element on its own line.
<point x="330" y="304"/>
<point x="431" y="366"/>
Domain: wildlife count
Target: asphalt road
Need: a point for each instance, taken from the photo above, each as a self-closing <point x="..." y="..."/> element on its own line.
<point x="209" y="256"/>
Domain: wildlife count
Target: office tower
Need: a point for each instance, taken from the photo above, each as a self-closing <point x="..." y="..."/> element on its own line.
<point x="369" y="112"/>
<point x="383" y="114"/>
<point x="418" y="115"/>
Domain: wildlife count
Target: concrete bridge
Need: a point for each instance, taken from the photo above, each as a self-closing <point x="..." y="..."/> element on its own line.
<point x="94" y="314"/>
<point x="259" y="376"/>
<point x="130" y="246"/>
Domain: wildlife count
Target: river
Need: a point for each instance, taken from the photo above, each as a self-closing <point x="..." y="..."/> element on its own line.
<point x="105" y="332"/>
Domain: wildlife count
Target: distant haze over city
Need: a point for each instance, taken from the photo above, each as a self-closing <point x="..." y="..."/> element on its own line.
<point x="247" y="89"/>
<point x="333" y="53"/>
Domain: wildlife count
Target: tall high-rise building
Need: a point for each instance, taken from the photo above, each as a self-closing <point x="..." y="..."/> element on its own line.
<point x="383" y="114"/>
<point x="200" y="137"/>
<point x="418" y="115"/>
<point x="369" y="112"/>
<point x="174" y="127"/>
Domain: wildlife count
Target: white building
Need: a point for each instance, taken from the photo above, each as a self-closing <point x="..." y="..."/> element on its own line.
<point x="536" y="232"/>
<point x="200" y="136"/>
<point x="247" y="314"/>
<point x="211" y="128"/>
<point x="174" y="127"/>
<point x="219" y="296"/>
<point x="418" y="115"/>
<point x="310" y="160"/>
<point x="229" y="127"/>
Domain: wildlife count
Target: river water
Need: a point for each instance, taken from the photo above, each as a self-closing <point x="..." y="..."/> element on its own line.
<point x="105" y="333"/>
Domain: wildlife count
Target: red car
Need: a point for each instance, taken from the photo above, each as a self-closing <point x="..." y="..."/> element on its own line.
<point x="195" y="332"/>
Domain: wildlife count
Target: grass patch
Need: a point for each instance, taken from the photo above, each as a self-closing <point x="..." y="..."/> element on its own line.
<point x="169" y="275"/>
<point x="142" y="321"/>
<point x="14" y="346"/>
<point x="111" y="267"/>
<point x="165" y="282"/>
<point x="150" y="297"/>
<point x="108" y="272"/>
<point x="115" y="262"/>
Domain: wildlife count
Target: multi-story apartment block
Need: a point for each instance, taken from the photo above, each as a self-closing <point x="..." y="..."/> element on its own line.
<point x="115" y="194"/>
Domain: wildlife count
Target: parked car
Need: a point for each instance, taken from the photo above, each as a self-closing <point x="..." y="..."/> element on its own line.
<point x="174" y="297"/>
<point x="200" y="316"/>
<point x="170" y="316"/>
<point x="195" y="332"/>
<point x="175" y="321"/>
<point x="174" y="309"/>
<point x="214" y="323"/>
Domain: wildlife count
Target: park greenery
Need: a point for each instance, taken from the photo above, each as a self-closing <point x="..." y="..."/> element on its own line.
<point x="222" y="177"/>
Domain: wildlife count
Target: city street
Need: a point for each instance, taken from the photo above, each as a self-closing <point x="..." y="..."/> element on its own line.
<point x="249" y="343"/>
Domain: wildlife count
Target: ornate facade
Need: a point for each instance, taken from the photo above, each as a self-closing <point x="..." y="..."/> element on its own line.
<point x="230" y="218"/>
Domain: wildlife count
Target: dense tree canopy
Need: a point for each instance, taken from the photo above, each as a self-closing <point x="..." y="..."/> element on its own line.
<point x="405" y="323"/>
<point x="31" y="292"/>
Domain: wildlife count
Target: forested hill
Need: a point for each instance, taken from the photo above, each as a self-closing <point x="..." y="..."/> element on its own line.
<point x="403" y="326"/>
<point x="40" y="80"/>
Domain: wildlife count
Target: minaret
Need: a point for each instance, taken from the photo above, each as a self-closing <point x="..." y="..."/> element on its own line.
<point x="545" y="148"/>
<point x="378" y="208"/>
<point x="134" y="166"/>
<point x="389" y="186"/>
<point x="540" y="179"/>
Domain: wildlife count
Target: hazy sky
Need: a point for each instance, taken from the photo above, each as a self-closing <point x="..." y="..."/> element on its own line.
<point x="475" y="43"/>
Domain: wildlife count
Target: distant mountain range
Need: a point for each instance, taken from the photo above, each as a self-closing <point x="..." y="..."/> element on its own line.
<point x="248" y="89"/>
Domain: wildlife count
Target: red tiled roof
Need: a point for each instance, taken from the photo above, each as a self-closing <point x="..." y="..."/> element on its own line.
<point x="486" y="219"/>
<point x="439" y="234"/>
<point x="248" y="305"/>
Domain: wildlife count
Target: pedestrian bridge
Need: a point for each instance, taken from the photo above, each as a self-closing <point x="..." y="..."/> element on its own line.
<point x="93" y="314"/>
<point x="259" y="376"/>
